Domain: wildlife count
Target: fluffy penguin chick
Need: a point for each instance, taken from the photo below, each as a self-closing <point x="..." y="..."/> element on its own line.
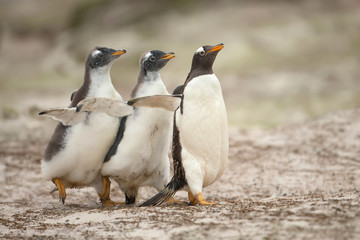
<point x="200" y="135"/>
<point x="139" y="156"/>
<point x="75" y="154"/>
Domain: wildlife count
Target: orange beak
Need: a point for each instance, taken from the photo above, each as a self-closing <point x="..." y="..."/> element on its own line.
<point x="120" y="52"/>
<point x="216" y="48"/>
<point x="168" y="56"/>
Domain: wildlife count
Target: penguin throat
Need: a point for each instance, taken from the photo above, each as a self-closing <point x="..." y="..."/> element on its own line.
<point x="152" y="76"/>
<point x="198" y="72"/>
<point x="195" y="67"/>
<point x="99" y="79"/>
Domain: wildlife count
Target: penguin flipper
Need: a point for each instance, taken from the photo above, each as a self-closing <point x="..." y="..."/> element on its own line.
<point x="167" y="102"/>
<point x="110" y="106"/>
<point x="67" y="116"/>
<point x="73" y="95"/>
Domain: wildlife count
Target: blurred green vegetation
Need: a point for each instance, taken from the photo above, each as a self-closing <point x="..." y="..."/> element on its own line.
<point x="283" y="61"/>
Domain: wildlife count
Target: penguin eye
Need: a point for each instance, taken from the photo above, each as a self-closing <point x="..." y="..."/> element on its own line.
<point x="152" y="58"/>
<point x="202" y="53"/>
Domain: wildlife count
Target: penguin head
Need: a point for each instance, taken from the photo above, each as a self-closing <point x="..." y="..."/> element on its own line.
<point x="155" y="60"/>
<point x="205" y="56"/>
<point x="103" y="57"/>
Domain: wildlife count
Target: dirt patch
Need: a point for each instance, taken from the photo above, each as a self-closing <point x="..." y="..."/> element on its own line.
<point x="300" y="181"/>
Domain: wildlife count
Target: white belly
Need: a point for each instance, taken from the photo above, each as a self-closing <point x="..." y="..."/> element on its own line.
<point x="86" y="146"/>
<point x="204" y="130"/>
<point x="142" y="156"/>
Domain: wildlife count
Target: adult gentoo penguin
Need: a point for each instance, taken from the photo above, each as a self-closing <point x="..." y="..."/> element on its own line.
<point x="75" y="153"/>
<point x="139" y="156"/>
<point x="200" y="133"/>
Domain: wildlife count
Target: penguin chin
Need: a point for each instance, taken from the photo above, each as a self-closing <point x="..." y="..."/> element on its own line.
<point x="103" y="69"/>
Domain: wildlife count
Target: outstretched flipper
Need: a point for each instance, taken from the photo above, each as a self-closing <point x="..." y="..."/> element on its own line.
<point x="110" y="106"/>
<point x="67" y="116"/>
<point x="167" y="102"/>
<point x="118" y="108"/>
<point x="74" y="115"/>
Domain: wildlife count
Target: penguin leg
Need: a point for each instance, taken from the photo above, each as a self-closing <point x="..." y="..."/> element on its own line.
<point x="131" y="194"/>
<point x="60" y="186"/>
<point x="200" y="199"/>
<point x="105" y="196"/>
<point x="130" y="199"/>
<point x="192" y="199"/>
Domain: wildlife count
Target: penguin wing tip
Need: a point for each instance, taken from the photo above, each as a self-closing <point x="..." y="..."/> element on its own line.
<point x="131" y="102"/>
<point x="79" y="107"/>
<point x="179" y="95"/>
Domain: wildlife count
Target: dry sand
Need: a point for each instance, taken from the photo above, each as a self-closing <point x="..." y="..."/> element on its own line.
<point x="296" y="182"/>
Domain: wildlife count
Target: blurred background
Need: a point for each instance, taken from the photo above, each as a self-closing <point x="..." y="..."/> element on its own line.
<point x="284" y="61"/>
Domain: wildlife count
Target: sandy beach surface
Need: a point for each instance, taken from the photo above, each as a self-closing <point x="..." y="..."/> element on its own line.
<point x="296" y="182"/>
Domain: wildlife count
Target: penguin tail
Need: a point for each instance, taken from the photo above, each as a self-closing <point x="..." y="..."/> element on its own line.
<point x="164" y="195"/>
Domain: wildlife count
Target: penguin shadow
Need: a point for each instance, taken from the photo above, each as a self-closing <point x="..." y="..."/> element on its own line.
<point x="98" y="205"/>
<point x="137" y="205"/>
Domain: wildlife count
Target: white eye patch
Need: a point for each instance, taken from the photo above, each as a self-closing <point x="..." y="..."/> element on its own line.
<point x="200" y="49"/>
<point x="94" y="53"/>
<point x="147" y="55"/>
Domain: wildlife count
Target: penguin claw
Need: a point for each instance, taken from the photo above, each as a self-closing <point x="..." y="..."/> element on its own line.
<point x="200" y="199"/>
<point x="207" y="203"/>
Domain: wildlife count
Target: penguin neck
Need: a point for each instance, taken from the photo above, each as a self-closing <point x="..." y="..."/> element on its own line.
<point x="151" y="76"/>
<point x="205" y="67"/>
<point x="149" y="83"/>
<point x="95" y="81"/>
<point x="197" y="71"/>
<point x="99" y="82"/>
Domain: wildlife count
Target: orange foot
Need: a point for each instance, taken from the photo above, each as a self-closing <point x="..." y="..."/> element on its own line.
<point x="198" y="199"/>
<point x="105" y="196"/>
<point x="61" y="188"/>
<point x="172" y="200"/>
<point x="202" y="201"/>
<point x="192" y="198"/>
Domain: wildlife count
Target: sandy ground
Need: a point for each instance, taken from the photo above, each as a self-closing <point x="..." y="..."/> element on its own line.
<point x="286" y="60"/>
<point x="296" y="182"/>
